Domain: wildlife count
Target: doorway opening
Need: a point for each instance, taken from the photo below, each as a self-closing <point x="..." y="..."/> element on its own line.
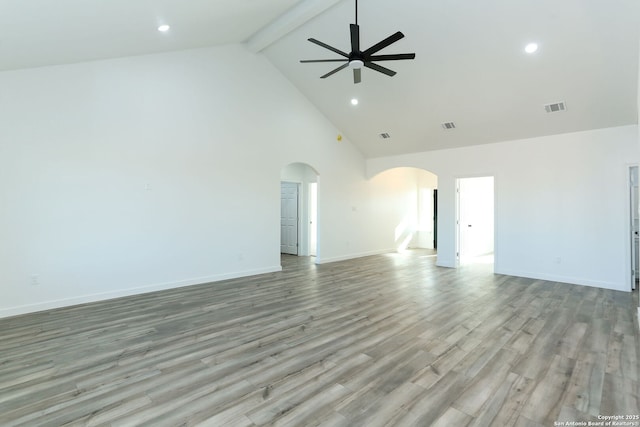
<point x="425" y="235"/>
<point x="289" y="207"/>
<point x="313" y="219"/>
<point x="634" y="227"/>
<point x="407" y="208"/>
<point x="475" y="221"/>
<point x="633" y="233"/>
<point x="299" y="210"/>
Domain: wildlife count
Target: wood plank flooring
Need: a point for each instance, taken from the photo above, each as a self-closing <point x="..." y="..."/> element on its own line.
<point x="389" y="340"/>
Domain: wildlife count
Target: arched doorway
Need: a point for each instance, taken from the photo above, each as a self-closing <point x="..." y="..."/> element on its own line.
<point x="298" y="210"/>
<point x="411" y="199"/>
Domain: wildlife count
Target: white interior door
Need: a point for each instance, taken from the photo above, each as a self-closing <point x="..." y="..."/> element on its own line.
<point x="289" y="218"/>
<point x="475" y="217"/>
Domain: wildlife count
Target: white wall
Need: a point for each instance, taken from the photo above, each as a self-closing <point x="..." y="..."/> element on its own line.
<point x="561" y="202"/>
<point x="398" y="202"/>
<point x="381" y="213"/>
<point x="395" y="204"/>
<point x="145" y="173"/>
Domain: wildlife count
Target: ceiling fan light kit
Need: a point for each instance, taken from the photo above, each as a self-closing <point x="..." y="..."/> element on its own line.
<point x="358" y="59"/>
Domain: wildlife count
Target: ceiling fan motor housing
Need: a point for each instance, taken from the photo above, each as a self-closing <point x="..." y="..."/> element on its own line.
<point x="356" y="63"/>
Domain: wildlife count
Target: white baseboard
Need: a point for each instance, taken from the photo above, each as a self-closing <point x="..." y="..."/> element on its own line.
<point x="354" y="256"/>
<point x="66" y="302"/>
<point x="564" y="279"/>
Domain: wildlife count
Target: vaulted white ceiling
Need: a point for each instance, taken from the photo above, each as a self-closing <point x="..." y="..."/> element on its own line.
<point x="470" y="66"/>
<point x="45" y="32"/>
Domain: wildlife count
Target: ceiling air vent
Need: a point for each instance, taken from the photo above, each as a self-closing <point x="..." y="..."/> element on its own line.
<point x="385" y="135"/>
<point x="554" y="108"/>
<point x="448" y="125"/>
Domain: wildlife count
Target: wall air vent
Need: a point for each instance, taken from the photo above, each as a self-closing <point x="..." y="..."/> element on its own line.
<point x="448" y="125"/>
<point x="385" y="135"/>
<point x="554" y="108"/>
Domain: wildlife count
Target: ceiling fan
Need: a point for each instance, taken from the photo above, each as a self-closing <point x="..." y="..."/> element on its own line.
<point x="357" y="59"/>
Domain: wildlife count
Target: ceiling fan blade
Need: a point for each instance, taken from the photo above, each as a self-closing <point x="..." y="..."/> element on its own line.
<point x="357" y="75"/>
<point x="307" y="61"/>
<point x="395" y="57"/>
<point x="335" y="71"/>
<point x="380" y="69"/>
<point x="384" y="43"/>
<point x="355" y="37"/>
<point x="331" y="48"/>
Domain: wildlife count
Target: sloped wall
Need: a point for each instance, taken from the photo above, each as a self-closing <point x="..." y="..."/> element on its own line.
<point x="136" y="174"/>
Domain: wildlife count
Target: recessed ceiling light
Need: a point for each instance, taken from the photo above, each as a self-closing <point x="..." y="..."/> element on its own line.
<point x="354" y="101"/>
<point x="163" y="28"/>
<point x="531" y="47"/>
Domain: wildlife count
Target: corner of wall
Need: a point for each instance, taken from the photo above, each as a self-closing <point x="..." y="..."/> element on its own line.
<point x="446" y="263"/>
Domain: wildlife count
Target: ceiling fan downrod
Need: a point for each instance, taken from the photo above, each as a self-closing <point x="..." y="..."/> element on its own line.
<point x="356" y="12"/>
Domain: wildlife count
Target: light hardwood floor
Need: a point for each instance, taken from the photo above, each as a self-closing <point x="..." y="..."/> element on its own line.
<point x="383" y="340"/>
